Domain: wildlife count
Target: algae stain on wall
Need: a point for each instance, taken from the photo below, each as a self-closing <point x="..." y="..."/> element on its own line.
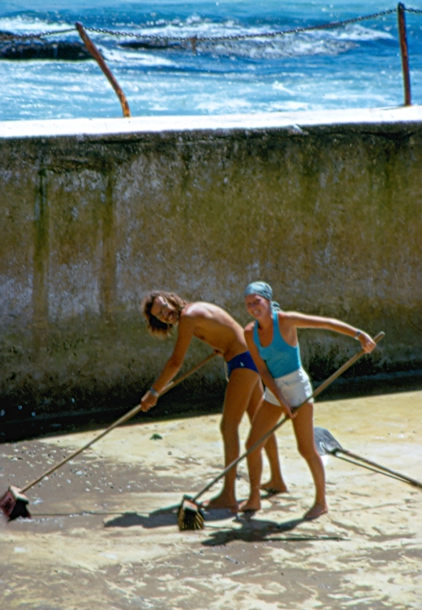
<point x="328" y="216"/>
<point x="108" y="255"/>
<point x="40" y="264"/>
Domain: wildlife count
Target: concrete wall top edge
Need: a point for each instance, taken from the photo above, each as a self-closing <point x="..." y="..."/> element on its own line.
<point x="289" y="120"/>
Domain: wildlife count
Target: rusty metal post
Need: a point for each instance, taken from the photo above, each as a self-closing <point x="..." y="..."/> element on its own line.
<point x="404" y="53"/>
<point x="98" y="58"/>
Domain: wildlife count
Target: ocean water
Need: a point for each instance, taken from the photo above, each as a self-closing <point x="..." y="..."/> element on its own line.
<point x="357" y="65"/>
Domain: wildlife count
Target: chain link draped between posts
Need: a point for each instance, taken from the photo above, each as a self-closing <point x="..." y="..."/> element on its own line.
<point x="194" y="41"/>
<point x="216" y="39"/>
<point x="199" y="39"/>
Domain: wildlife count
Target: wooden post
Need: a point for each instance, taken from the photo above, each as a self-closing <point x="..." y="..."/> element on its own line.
<point x="98" y="58"/>
<point x="404" y="53"/>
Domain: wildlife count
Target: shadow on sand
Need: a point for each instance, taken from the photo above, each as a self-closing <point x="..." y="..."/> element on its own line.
<point x="257" y="530"/>
<point x="251" y="530"/>
<point x="162" y="517"/>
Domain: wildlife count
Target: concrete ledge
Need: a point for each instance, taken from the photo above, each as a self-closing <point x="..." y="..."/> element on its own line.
<point x="100" y="127"/>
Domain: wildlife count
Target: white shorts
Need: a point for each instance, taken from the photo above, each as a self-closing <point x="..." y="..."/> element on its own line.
<point x="295" y="389"/>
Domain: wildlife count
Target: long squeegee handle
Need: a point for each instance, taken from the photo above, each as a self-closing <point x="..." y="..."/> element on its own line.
<point x="374" y="466"/>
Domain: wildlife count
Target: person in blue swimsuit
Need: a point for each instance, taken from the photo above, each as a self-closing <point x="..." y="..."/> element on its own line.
<point x="273" y="343"/>
<point x="165" y="311"/>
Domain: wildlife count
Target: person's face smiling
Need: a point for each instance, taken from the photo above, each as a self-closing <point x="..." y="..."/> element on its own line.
<point x="164" y="311"/>
<point x="256" y="305"/>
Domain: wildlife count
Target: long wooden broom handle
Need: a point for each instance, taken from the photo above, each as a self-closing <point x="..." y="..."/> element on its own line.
<point x="118" y="422"/>
<point x="316" y="392"/>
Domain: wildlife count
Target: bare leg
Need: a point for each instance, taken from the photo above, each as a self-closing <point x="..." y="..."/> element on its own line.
<point x="238" y="394"/>
<point x="265" y="418"/>
<point x="276" y="483"/>
<point x="304" y="431"/>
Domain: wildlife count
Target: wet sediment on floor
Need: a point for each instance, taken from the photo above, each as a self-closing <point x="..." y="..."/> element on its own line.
<point x="104" y="527"/>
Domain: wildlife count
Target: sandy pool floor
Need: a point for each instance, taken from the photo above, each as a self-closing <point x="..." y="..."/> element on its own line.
<point x="104" y="533"/>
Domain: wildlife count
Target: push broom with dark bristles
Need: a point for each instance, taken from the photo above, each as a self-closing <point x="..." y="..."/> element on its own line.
<point x="14" y="503"/>
<point x="190" y="515"/>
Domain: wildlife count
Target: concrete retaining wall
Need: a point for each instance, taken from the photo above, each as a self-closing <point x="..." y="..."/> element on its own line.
<point x="329" y="214"/>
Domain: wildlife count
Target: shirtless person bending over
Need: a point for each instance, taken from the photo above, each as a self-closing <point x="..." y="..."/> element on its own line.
<point x="214" y="326"/>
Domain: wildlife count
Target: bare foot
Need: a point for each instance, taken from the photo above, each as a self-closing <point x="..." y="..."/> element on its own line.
<point x="275" y="486"/>
<point x="249" y="506"/>
<point x="221" y="502"/>
<point x="316" y="511"/>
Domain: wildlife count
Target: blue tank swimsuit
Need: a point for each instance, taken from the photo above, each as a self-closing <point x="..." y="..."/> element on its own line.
<point x="280" y="357"/>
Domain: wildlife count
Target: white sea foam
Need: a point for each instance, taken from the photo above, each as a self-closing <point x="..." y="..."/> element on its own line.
<point x="27" y="24"/>
<point x="353" y="65"/>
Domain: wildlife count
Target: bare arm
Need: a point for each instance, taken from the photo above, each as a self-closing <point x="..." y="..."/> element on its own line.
<point x="300" y="320"/>
<point x="174" y="363"/>
<point x="265" y="374"/>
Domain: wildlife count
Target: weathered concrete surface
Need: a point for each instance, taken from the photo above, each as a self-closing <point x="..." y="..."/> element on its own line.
<point x="325" y="207"/>
<point x="104" y="533"/>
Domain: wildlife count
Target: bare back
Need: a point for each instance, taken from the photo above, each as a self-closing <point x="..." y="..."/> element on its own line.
<point x="214" y="326"/>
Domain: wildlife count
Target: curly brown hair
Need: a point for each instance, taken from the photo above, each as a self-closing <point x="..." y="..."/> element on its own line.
<point x="157" y="328"/>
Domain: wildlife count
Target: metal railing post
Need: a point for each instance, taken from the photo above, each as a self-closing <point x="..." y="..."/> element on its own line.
<point x="100" y="61"/>
<point x="404" y="53"/>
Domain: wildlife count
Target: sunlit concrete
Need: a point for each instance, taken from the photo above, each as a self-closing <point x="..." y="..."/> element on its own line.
<point x="104" y="530"/>
<point x="101" y="126"/>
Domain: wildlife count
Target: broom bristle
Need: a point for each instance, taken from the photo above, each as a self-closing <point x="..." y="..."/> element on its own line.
<point x="190" y="516"/>
<point x="14" y="504"/>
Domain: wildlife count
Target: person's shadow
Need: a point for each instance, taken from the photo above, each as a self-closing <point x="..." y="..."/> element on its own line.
<point x="163" y="517"/>
<point x="167" y="516"/>
<point x="257" y="530"/>
<point x="251" y="530"/>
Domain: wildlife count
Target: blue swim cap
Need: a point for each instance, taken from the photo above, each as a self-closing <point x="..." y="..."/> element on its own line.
<point x="261" y="288"/>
